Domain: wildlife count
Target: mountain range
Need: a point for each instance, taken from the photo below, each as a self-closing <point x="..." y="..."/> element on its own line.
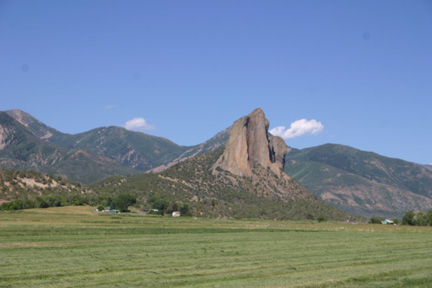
<point x="102" y="152"/>
<point x="242" y="179"/>
<point x="360" y="182"/>
<point x="352" y="180"/>
<point x="26" y="147"/>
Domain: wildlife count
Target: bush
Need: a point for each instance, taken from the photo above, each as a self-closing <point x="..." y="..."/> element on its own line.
<point x="321" y="218"/>
<point x="13" y="205"/>
<point x="421" y="219"/>
<point x="408" y="218"/>
<point x="54" y="200"/>
<point x="100" y="208"/>
<point x="429" y="218"/>
<point x="184" y="211"/>
<point x="123" y="201"/>
<point x="376" y="220"/>
<point x="41" y="202"/>
<point x="159" y="204"/>
<point x="76" y="199"/>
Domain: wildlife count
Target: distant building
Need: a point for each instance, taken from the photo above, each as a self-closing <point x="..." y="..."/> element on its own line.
<point x="114" y="211"/>
<point x="175" y="214"/>
<point x="387" y="221"/>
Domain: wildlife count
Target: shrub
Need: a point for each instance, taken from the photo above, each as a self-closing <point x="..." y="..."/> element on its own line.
<point x="184" y="211"/>
<point x="123" y="201"/>
<point x="429" y="218"/>
<point x="41" y="202"/>
<point x="376" y="220"/>
<point x="54" y="200"/>
<point x="408" y="218"/>
<point x="321" y="218"/>
<point x="420" y="218"/>
<point x="159" y="204"/>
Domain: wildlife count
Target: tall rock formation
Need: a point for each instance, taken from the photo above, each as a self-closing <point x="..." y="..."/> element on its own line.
<point x="250" y="145"/>
<point x="255" y="160"/>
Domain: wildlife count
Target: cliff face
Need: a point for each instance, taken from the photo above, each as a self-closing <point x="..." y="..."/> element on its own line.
<point x="255" y="160"/>
<point x="250" y="145"/>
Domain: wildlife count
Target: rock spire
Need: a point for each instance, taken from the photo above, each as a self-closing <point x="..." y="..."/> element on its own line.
<point x="250" y="145"/>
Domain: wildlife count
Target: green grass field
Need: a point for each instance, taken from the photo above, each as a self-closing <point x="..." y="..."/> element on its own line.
<point x="76" y="247"/>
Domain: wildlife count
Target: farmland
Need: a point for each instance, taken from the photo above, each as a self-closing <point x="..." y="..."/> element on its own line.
<point x="76" y="247"/>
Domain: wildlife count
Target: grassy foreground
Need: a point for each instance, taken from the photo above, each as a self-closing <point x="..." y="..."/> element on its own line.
<point x="75" y="247"/>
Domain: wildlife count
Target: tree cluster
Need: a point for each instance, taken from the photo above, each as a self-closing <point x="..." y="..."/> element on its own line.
<point x="164" y="207"/>
<point x="50" y="200"/>
<point x="420" y="218"/>
<point x="120" y="202"/>
<point x="123" y="201"/>
<point x="379" y="220"/>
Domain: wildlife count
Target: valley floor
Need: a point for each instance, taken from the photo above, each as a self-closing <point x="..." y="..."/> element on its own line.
<point x="77" y="247"/>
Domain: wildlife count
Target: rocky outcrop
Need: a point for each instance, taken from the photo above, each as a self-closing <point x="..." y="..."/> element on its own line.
<point x="254" y="160"/>
<point x="250" y="145"/>
<point x="278" y="150"/>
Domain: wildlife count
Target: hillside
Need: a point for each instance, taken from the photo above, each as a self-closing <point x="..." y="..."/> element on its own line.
<point x="218" y="196"/>
<point x="361" y="182"/>
<point x="35" y="126"/>
<point x="28" y="186"/>
<point x="212" y="144"/>
<point x="135" y="150"/>
<point x="131" y="149"/>
<point x="20" y="148"/>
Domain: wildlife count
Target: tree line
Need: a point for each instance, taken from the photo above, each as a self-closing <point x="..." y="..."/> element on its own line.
<point x="120" y="202"/>
<point x="420" y="218"/>
<point x="411" y="218"/>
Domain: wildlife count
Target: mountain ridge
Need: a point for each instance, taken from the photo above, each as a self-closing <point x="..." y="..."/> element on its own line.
<point x="362" y="182"/>
<point x="22" y="149"/>
<point x="387" y="188"/>
<point x="135" y="150"/>
<point x="243" y="179"/>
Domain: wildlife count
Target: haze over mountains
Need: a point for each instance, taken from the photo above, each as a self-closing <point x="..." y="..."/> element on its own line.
<point x="349" y="179"/>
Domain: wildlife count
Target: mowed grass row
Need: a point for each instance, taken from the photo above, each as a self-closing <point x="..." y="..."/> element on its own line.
<point x="45" y="249"/>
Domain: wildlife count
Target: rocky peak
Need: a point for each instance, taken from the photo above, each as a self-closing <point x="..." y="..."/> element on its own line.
<point x="35" y="126"/>
<point x="250" y="144"/>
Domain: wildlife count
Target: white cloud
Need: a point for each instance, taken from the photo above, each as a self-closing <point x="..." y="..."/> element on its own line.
<point x="298" y="128"/>
<point x="138" y="124"/>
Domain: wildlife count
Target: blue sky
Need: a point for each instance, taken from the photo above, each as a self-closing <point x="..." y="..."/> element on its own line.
<point x="185" y="70"/>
